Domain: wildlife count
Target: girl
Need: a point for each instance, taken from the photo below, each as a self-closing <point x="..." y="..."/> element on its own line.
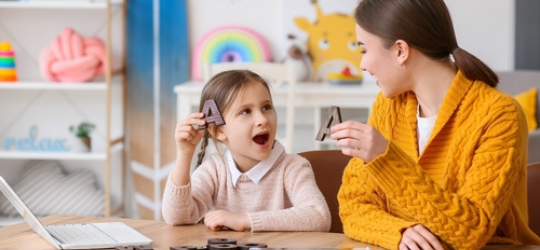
<point x="442" y="160"/>
<point x="255" y="185"/>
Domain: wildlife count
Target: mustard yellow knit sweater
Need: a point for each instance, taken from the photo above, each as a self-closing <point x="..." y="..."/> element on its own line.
<point x="468" y="186"/>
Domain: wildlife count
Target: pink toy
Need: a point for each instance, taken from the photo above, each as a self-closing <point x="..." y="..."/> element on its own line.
<point x="7" y="63"/>
<point x="229" y="44"/>
<point x="72" y="58"/>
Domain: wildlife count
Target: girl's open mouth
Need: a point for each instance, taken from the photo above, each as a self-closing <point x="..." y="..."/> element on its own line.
<point x="261" y="139"/>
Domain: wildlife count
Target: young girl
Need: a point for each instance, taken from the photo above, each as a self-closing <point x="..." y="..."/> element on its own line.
<point x="253" y="186"/>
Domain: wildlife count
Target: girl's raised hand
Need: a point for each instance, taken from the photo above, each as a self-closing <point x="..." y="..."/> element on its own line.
<point x="359" y="139"/>
<point x="186" y="135"/>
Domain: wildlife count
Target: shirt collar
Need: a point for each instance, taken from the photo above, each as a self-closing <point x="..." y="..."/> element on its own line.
<point x="256" y="173"/>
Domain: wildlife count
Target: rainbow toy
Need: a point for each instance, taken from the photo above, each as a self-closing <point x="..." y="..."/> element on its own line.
<point x="7" y="63"/>
<point x="229" y="44"/>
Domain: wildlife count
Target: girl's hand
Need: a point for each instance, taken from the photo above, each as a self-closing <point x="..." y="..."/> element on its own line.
<point x="218" y="219"/>
<point x="186" y="136"/>
<point x="419" y="237"/>
<point x="359" y="139"/>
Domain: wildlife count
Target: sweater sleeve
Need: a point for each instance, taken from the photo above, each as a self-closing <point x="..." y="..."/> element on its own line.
<point x="363" y="209"/>
<point x="309" y="211"/>
<point x="181" y="205"/>
<point x="464" y="219"/>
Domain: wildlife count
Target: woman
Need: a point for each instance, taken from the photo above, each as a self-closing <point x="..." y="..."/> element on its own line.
<point x="442" y="160"/>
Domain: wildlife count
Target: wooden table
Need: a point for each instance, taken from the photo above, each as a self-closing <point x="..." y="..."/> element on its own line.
<point x="20" y="236"/>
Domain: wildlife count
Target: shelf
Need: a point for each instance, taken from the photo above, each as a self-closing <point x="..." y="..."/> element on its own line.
<point x="58" y="4"/>
<point x="99" y="86"/>
<point x="52" y="156"/>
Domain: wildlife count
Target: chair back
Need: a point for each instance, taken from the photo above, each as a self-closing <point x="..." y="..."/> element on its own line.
<point x="328" y="166"/>
<point x="533" y="196"/>
<point x="277" y="74"/>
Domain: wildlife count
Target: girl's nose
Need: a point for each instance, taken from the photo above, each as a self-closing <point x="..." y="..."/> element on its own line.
<point x="261" y="119"/>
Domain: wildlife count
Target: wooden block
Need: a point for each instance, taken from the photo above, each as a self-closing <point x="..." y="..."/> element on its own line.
<point x="212" y="241"/>
<point x="248" y="246"/>
<point x="134" y="248"/>
<point x="333" y="116"/>
<point x="211" y="114"/>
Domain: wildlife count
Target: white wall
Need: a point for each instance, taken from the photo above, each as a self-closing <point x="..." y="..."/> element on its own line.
<point x="485" y="28"/>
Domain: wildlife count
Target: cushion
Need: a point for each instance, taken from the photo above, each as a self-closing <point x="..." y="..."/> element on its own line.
<point x="527" y="100"/>
<point x="47" y="189"/>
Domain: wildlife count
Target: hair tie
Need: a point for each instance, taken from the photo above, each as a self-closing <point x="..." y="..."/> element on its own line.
<point x="455" y="49"/>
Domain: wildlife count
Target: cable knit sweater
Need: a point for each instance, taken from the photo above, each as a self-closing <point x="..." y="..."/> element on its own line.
<point x="468" y="187"/>
<point x="285" y="199"/>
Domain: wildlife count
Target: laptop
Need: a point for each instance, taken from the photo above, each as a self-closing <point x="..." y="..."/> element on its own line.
<point x="77" y="236"/>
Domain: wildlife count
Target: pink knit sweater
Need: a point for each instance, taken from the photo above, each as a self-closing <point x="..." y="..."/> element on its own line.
<point x="285" y="199"/>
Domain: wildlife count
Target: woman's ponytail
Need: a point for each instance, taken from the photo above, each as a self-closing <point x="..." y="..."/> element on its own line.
<point x="473" y="68"/>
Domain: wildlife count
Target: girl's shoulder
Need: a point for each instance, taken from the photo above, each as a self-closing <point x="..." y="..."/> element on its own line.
<point x="213" y="163"/>
<point x="293" y="160"/>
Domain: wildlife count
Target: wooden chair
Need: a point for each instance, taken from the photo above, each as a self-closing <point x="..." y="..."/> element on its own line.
<point x="276" y="74"/>
<point x="533" y="196"/>
<point x="328" y="166"/>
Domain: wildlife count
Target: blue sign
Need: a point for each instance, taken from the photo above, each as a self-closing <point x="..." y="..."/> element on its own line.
<point x="33" y="143"/>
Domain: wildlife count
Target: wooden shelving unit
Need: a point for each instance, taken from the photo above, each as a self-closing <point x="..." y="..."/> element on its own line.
<point x="109" y="88"/>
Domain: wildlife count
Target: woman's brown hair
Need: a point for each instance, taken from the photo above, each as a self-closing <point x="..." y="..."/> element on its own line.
<point x="223" y="88"/>
<point x="425" y="25"/>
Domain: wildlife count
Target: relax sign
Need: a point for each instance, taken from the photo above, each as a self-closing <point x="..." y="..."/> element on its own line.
<point x="33" y="143"/>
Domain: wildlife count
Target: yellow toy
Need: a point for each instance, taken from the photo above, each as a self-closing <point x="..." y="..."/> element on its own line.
<point x="344" y="77"/>
<point x="7" y="63"/>
<point x="331" y="46"/>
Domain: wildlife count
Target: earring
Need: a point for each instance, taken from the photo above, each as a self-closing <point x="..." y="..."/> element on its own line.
<point x="402" y="68"/>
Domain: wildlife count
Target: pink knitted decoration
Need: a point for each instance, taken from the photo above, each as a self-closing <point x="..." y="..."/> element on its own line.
<point x="72" y="58"/>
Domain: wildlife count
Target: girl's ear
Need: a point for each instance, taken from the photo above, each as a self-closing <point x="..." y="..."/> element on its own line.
<point x="402" y="51"/>
<point x="216" y="132"/>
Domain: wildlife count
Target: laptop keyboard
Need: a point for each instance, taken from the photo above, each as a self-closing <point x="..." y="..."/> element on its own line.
<point x="79" y="234"/>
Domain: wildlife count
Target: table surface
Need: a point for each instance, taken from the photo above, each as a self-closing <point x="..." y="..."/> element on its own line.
<point x="20" y="236"/>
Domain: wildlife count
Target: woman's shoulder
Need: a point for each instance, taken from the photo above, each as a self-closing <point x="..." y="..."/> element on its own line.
<point x="493" y="97"/>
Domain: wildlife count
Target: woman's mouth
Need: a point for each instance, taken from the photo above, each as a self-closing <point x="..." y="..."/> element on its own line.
<point x="261" y="139"/>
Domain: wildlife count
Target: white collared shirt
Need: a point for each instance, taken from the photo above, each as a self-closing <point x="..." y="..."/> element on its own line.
<point x="256" y="173"/>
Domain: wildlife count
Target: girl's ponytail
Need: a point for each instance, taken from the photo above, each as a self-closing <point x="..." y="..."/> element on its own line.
<point x="204" y="143"/>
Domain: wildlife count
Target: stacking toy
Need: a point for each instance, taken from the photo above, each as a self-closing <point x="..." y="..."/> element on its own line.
<point x="7" y="63"/>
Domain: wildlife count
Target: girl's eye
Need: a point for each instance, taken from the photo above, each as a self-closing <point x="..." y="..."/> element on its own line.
<point x="245" y="112"/>
<point x="267" y="107"/>
<point x="362" y="51"/>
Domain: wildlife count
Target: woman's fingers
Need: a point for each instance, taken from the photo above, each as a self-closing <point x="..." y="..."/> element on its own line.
<point x="419" y="237"/>
<point x="359" y="139"/>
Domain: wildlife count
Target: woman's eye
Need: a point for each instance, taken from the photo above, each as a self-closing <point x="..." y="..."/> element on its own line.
<point x="352" y="46"/>
<point x="324" y="44"/>
<point x="362" y="51"/>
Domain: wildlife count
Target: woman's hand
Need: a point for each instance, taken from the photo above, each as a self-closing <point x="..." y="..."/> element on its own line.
<point x="218" y="219"/>
<point x="359" y="139"/>
<point x="186" y="136"/>
<point x="419" y="237"/>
